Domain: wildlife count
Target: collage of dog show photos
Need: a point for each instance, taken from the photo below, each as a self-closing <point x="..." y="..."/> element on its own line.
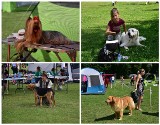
<point x="80" y="62"/>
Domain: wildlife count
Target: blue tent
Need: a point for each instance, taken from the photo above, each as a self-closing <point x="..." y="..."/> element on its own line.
<point x="95" y="83"/>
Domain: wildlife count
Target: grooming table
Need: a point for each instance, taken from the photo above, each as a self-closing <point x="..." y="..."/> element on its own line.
<point x="71" y="49"/>
<point x="9" y="43"/>
<point x="19" y="83"/>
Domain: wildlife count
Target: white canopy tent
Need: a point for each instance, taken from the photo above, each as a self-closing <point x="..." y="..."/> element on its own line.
<point x="48" y="66"/>
<point x="44" y="66"/>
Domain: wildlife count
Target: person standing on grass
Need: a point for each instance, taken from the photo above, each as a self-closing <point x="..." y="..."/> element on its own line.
<point x="122" y="79"/>
<point x="112" y="80"/>
<point x="84" y="83"/>
<point x="38" y="73"/>
<point x="113" y="30"/>
<point x="140" y="88"/>
<point x="5" y="74"/>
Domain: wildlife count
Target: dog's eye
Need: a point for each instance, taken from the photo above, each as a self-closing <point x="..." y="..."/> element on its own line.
<point x="132" y="30"/>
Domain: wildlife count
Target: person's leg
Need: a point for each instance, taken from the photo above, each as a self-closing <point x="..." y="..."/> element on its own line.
<point x="139" y="103"/>
<point x="85" y="86"/>
<point x="55" y="84"/>
<point x="111" y="84"/>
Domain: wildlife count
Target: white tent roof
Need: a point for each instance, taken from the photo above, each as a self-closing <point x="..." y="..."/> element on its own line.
<point x="89" y="71"/>
<point x="44" y="66"/>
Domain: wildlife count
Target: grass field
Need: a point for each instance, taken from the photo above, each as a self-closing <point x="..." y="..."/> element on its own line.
<point x="68" y="25"/>
<point x="95" y="17"/>
<point x="96" y="111"/>
<point x="20" y="108"/>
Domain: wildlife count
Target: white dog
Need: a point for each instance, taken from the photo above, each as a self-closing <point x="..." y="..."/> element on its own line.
<point x="131" y="38"/>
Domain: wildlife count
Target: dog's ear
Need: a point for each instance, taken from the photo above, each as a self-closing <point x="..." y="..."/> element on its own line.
<point x="114" y="99"/>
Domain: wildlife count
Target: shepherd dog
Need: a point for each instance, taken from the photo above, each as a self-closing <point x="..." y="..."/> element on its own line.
<point x="119" y="104"/>
<point x="35" y="36"/>
<point x="38" y="99"/>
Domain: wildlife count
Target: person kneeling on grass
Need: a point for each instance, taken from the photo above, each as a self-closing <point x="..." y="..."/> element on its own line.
<point x="113" y="29"/>
<point x="44" y="85"/>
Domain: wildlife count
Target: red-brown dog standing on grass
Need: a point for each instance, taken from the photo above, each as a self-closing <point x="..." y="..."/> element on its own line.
<point x="35" y="35"/>
<point x="49" y="95"/>
<point x="119" y="104"/>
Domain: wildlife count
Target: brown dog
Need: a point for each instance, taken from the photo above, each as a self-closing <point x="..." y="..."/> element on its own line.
<point x="35" y="35"/>
<point x="49" y="95"/>
<point x="119" y="104"/>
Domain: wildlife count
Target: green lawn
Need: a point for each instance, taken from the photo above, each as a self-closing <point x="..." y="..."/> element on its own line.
<point x="96" y="111"/>
<point x="53" y="17"/>
<point x="95" y="17"/>
<point x="20" y="108"/>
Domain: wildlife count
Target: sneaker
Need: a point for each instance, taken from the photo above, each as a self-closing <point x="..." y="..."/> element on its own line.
<point x="140" y="109"/>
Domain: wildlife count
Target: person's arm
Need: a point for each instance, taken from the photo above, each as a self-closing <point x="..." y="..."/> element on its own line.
<point x="109" y="32"/>
<point x="37" y="84"/>
<point x="124" y="27"/>
<point x="137" y="82"/>
<point x="50" y="84"/>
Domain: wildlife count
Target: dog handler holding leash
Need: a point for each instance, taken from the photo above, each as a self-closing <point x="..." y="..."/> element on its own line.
<point x="113" y="28"/>
<point x="140" y="88"/>
<point x="44" y="85"/>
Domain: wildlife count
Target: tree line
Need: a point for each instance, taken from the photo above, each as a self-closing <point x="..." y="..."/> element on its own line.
<point x="123" y="69"/>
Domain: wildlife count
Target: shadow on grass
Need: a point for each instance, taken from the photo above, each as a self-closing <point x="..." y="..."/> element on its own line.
<point x="109" y="117"/>
<point x="32" y="105"/>
<point x="152" y="114"/>
<point x="93" y="39"/>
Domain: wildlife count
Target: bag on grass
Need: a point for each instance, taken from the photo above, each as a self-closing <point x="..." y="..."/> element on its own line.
<point x="134" y="96"/>
<point x="107" y="53"/>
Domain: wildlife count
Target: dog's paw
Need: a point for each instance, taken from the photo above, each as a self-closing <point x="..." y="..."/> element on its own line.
<point x="126" y="48"/>
<point x="120" y="119"/>
<point x="129" y="114"/>
<point x="141" y="38"/>
<point x="50" y="106"/>
<point x="121" y="45"/>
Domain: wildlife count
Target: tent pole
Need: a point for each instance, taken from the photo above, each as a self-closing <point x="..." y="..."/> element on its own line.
<point x="150" y="92"/>
<point x="34" y="9"/>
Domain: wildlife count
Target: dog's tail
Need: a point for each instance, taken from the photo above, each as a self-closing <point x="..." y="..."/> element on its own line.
<point x="132" y="103"/>
<point x="19" y="45"/>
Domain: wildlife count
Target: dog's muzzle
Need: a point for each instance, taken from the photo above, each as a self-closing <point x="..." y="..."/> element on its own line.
<point x="107" y="102"/>
<point x="130" y="36"/>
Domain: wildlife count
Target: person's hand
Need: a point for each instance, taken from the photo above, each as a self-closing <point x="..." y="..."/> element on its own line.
<point x="113" y="33"/>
